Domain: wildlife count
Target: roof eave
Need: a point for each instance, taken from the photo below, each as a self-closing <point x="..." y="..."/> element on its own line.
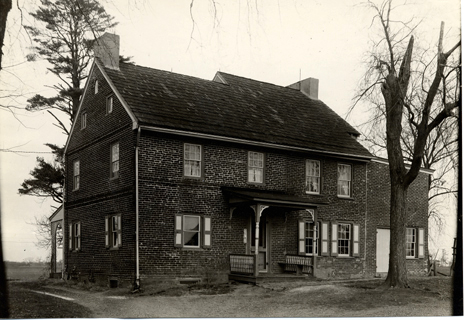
<point x="207" y="136"/>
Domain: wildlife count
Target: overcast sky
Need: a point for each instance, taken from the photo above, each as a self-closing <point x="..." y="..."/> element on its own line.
<point x="274" y="42"/>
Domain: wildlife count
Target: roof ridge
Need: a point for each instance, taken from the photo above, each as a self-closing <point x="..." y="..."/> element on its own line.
<point x="260" y="81"/>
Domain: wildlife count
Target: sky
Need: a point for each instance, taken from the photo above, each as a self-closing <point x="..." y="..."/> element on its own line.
<point x="275" y="41"/>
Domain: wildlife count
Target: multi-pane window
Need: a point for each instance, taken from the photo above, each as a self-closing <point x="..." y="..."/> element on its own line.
<point x="411" y="242"/>
<point x="344" y="180"/>
<point x="115" y="160"/>
<point x="83" y="120"/>
<point x="192" y="160"/>
<point x="113" y="234"/>
<point x="313" y="176"/>
<point x="74" y="236"/>
<point x="96" y="87"/>
<point x="191" y="231"/>
<point x="76" y="174"/>
<point x="109" y="104"/>
<point x="311" y="238"/>
<point x="344" y="239"/>
<point x="255" y="167"/>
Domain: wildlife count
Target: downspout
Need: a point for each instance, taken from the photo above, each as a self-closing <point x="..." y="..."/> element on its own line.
<point x="365" y="221"/>
<point x="137" y="264"/>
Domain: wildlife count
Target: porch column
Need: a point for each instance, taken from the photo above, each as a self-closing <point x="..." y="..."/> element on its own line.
<point x="258" y="209"/>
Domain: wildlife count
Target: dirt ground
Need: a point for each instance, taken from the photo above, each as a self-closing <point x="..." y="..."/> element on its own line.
<point x="427" y="297"/>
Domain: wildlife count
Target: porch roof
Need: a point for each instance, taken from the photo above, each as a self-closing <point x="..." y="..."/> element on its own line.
<point x="237" y="196"/>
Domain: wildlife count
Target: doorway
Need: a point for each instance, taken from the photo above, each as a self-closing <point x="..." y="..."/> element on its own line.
<point x="382" y="251"/>
<point x="263" y="248"/>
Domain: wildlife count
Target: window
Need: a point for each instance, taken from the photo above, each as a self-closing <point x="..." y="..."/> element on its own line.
<point x="76" y="174"/>
<point x="192" y="231"/>
<point x="313" y="176"/>
<point x="113" y="235"/>
<point x="345" y="239"/>
<point x="96" y="87"/>
<point x="192" y="160"/>
<point x="109" y="104"/>
<point x="74" y="236"/>
<point x="411" y="243"/>
<point x="114" y="160"/>
<point x="255" y="167"/>
<point x="83" y="120"/>
<point x="344" y="180"/>
<point x="311" y="238"/>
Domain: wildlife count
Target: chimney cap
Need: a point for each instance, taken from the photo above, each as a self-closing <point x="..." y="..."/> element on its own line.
<point x="309" y="86"/>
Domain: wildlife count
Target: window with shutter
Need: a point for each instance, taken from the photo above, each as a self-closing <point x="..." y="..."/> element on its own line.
<point x="192" y="231"/>
<point x="334" y="246"/>
<point x="355" y="240"/>
<point x="411" y="240"/>
<point x="207" y="232"/>
<point x="74" y="236"/>
<point x="421" y="253"/>
<point x="113" y="231"/>
<point x="325" y="239"/>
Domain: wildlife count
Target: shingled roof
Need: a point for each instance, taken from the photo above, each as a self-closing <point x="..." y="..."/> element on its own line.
<point x="239" y="108"/>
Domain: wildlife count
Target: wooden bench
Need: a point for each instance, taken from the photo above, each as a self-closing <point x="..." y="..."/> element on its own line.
<point x="296" y="263"/>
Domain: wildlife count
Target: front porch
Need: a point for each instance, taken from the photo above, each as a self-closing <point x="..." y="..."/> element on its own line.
<point x="280" y="238"/>
<point x="295" y="268"/>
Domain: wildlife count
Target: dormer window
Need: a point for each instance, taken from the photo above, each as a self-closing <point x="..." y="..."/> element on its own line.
<point x="109" y="104"/>
<point x="96" y="87"/>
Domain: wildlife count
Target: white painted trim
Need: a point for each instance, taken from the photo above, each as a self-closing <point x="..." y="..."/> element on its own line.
<point x="385" y="161"/>
<point x="251" y="142"/>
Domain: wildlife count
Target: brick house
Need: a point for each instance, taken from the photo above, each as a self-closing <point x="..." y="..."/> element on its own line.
<point x="172" y="177"/>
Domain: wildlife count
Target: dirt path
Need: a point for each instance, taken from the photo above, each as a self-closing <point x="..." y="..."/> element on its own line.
<point x="271" y="300"/>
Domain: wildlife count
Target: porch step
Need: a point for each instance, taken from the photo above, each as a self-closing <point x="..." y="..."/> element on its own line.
<point x="269" y="278"/>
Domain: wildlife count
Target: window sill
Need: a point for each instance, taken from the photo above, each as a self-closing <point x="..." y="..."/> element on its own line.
<point x="313" y="194"/>
<point x="345" y="198"/>
<point x="346" y="257"/>
<point x="114" y="178"/>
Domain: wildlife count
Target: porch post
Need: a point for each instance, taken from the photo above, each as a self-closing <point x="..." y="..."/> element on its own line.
<point x="258" y="211"/>
<point x="318" y="249"/>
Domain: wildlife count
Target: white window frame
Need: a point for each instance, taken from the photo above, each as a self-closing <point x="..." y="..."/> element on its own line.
<point x="96" y="86"/>
<point x="345" y="239"/>
<point x="113" y="231"/>
<point x="114" y="171"/>
<point x="312" y="175"/>
<point x="349" y="181"/>
<point x="315" y="237"/>
<point x="76" y="174"/>
<point x="184" y="231"/>
<point x="193" y="160"/>
<point x="83" y="120"/>
<point x="255" y="165"/>
<point x="74" y="236"/>
<point x="204" y="231"/>
<point x="411" y="243"/>
<point x="109" y="104"/>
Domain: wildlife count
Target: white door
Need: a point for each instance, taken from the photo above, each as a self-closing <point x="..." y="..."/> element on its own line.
<point x="383" y="250"/>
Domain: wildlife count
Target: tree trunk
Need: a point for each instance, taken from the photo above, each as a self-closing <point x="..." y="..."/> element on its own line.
<point x="5" y="7"/>
<point x="397" y="272"/>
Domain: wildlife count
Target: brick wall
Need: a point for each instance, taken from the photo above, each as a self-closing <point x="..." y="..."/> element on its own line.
<point x="164" y="192"/>
<point x="100" y="195"/>
<point x="379" y="215"/>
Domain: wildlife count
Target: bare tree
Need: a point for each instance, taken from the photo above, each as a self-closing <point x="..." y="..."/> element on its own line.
<point x="409" y="110"/>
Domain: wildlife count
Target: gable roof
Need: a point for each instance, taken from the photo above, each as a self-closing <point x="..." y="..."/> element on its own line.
<point x="234" y="107"/>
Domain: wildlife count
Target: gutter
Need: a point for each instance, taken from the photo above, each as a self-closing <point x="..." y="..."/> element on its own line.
<point x="137" y="264"/>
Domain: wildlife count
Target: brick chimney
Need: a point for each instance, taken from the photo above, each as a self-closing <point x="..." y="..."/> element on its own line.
<point x="107" y="49"/>
<point x="309" y="87"/>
